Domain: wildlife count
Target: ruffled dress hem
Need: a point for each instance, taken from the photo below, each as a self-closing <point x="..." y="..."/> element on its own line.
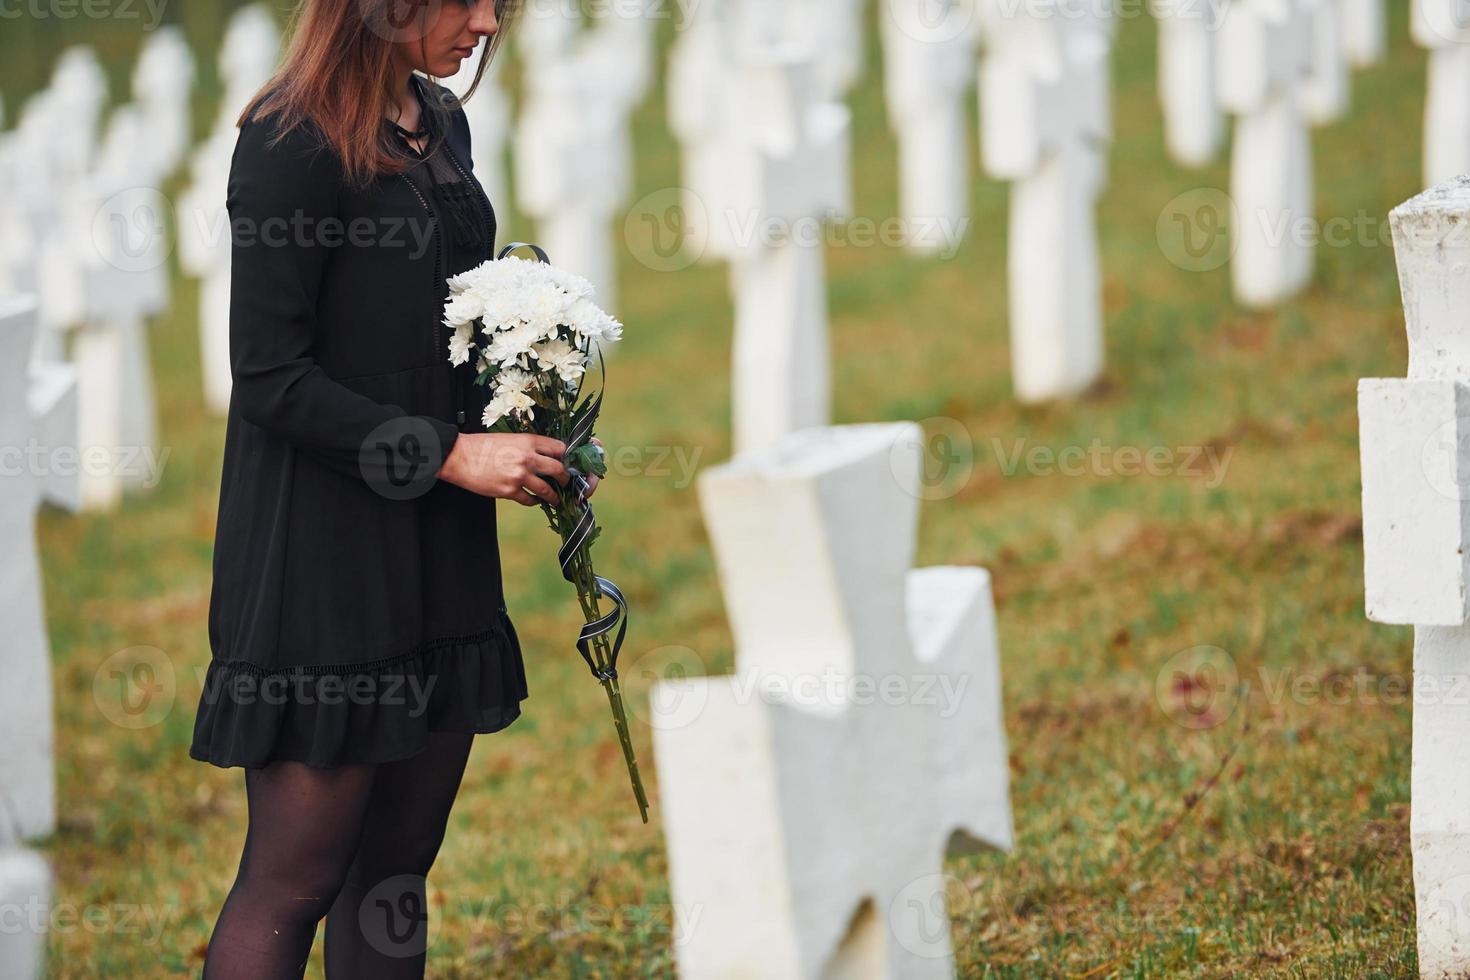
<point x="376" y="712"/>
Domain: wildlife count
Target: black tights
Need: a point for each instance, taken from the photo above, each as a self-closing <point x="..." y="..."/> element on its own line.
<point x="354" y="844"/>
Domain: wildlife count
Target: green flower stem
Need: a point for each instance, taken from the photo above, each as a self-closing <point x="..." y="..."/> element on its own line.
<point x="563" y="519"/>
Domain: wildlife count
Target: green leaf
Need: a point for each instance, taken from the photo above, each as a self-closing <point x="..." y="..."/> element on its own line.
<point x="589" y="459"/>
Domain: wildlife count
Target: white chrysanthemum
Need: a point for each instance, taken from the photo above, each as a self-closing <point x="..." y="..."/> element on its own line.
<point x="460" y="344"/>
<point x="525" y="309"/>
<point x="561" y="357"/>
<point x="576" y="286"/>
<point x="513" y="381"/>
<point x="508" y="346"/>
<point x="464" y="307"/>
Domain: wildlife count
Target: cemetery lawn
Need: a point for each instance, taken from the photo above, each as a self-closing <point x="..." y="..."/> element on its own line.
<point x="1269" y="839"/>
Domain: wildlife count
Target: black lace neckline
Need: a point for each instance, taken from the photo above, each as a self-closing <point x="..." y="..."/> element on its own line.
<point x="427" y="131"/>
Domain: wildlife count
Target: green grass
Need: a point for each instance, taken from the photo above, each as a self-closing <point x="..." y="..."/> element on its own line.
<point x="1271" y="844"/>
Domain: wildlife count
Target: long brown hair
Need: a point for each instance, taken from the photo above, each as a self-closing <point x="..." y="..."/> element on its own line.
<point x="338" y="74"/>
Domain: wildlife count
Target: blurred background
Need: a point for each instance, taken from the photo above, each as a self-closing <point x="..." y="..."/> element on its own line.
<point x="1254" y="823"/>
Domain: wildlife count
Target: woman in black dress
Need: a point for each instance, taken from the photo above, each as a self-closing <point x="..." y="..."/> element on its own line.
<point x="359" y="633"/>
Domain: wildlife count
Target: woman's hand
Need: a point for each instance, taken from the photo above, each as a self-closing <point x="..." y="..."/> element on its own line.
<point x="513" y="466"/>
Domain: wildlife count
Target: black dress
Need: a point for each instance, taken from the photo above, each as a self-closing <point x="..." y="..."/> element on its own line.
<point x="357" y="602"/>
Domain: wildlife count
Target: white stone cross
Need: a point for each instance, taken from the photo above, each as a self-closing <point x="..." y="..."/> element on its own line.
<point x="767" y="164"/>
<point x="33" y="416"/>
<point x="77" y="93"/>
<point x="810" y="798"/>
<point x="163" y="82"/>
<point x="1415" y="446"/>
<point x="928" y="68"/>
<point x="1194" y="126"/>
<point x="488" y="113"/>
<point x="247" y="58"/>
<point x="102" y="277"/>
<point x="1325" y="89"/>
<point x="1044" y="127"/>
<point x="48" y="161"/>
<point x="1443" y="28"/>
<point x="204" y="252"/>
<point x="1266" y="49"/>
<point x="25" y="895"/>
<point x="573" y="150"/>
<point x="1364" y="31"/>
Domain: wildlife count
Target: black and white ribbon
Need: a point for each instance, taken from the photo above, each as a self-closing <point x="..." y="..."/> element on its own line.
<point x="617" y="617"/>
<point x="567" y="556"/>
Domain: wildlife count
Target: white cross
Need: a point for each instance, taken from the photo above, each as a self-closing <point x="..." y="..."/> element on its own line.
<point x="248" y="55"/>
<point x="25" y="894"/>
<point x="1325" y="89"/>
<point x="928" y="66"/>
<point x="809" y="799"/>
<point x="767" y="163"/>
<point x="488" y="115"/>
<point x="102" y="276"/>
<point x="1044" y="126"/>
<point x="163" y="81"/>
<point x="1443" y="27"/>
<point x="1194" y="126"/>
<point x="33" y="414"/>
<point x="573" y="150"/>
<point x="1265" y="61"/>
<point x="1364" y="31"/>
<point x="204" y="252"/>
<point x="1415" y="446"/>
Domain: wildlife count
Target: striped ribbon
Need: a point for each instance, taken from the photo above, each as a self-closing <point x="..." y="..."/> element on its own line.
<point x="567" y="556"/>
<point x="617" y="617"/>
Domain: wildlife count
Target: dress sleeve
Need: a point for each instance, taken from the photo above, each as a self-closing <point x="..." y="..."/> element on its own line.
<point x="281" y="196"/>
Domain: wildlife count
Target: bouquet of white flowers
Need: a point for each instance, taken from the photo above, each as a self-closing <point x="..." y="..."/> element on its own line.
<point x="530" y="329"/>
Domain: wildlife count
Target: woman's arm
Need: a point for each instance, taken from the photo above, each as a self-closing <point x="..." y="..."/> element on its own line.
<point x="282" y="203"/>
